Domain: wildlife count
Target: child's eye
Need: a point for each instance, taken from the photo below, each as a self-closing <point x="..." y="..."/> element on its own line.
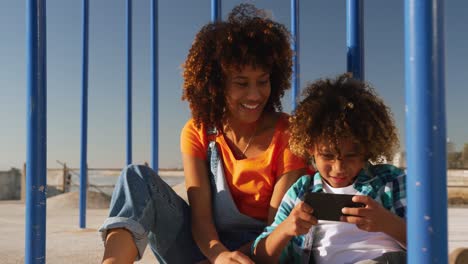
<point x="327" y="156"/>
<point x="263" y="82"/>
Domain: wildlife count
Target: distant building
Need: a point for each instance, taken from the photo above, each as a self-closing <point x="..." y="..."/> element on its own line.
<point x="464" y="156"/>
<point x="450" y="146"/>
<point x="454" y="160"/>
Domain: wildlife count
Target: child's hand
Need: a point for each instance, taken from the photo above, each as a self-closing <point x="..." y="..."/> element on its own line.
<point x="300" y="220"/>
<point x="371" y="218"/>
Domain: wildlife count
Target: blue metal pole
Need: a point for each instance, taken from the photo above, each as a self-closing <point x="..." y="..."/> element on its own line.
<point x="296" y="50"/>
<point x="154" y="95"/>
<point x="129" y="82"/>
<point x="84" y="118"/>
<point x="36" y="168"/>
<point x="426" y="131"/>
<point x="215" y="10"/>
<point x="355" y="38"/>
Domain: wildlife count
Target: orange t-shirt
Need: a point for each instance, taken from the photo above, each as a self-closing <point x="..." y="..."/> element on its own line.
<point x="251" y="181"/>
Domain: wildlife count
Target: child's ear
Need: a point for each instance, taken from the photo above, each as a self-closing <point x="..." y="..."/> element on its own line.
<point x="312" y="162"/>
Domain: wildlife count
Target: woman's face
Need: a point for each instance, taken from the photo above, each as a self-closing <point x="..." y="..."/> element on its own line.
<point x="339" y="170"/>
<point x="247" y="92"/>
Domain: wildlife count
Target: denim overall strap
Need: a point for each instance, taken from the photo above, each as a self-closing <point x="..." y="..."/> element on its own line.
<point x="225" y="213"/>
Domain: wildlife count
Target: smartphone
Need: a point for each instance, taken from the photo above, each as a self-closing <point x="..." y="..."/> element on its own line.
<point x="327" y="206"/>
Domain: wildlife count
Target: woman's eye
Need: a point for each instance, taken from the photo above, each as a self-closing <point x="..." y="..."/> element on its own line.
<point x="264" y="82"/>
<point x="241" y="84"/>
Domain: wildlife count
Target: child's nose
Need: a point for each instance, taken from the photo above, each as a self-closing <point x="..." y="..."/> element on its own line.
<point x="338" y="166"/>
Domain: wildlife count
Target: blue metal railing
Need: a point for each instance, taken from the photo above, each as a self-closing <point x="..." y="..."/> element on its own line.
<point x="155" y="86"/>
<point x="355" y="38"/>
<point x="295" y="46"/>
<point x="36" y="180"/>
<point x="215" y="10"/>
<point x="129" y="81"/>
<point x="425" y="131"/>
<point x="84" y="117"/>
<point x="425" y="118"/>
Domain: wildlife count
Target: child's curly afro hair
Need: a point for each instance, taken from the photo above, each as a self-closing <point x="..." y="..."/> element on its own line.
<point x="343" y="108"/>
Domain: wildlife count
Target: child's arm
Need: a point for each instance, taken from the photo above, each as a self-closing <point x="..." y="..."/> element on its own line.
<point x="298" y="222"/>
<point x="375" y="218"/>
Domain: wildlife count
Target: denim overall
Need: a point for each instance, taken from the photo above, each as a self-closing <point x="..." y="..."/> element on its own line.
<point x="153" y="213"/>
<point x="229" y="222"/>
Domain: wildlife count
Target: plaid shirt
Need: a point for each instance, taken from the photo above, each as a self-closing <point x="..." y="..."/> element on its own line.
<point x="384" y="183"/>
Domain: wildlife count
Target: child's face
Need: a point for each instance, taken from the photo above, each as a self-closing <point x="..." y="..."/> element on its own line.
<point x="247" y="93"/>
<point x="339" y="170"/>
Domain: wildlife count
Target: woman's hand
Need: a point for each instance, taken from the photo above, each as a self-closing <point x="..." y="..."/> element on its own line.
<point x="281" y="187"/>
<point x="375" y="218"/>
<point x="299" y="221"/>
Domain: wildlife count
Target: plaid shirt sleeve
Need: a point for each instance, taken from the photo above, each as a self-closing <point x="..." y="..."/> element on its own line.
<point x="393" y="182"/>
<point x="399" y="195"/>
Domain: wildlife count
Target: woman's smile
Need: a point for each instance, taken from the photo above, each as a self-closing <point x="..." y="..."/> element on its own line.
<point x="251" y="106"/>
<point x="247" y="92"/>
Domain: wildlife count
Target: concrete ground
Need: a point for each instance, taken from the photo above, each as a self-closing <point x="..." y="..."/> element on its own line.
<point x="67" y="243"/>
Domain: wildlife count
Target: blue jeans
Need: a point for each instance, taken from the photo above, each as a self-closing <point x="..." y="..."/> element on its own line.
<point x="149" y="208"/>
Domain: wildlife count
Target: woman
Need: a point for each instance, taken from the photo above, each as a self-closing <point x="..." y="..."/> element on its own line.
<point x="236" y="159"/>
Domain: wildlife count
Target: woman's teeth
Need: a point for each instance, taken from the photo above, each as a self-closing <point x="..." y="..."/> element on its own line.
<point x="251" y="107"/>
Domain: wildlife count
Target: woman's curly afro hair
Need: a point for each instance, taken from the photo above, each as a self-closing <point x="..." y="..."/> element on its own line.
<point x="343" y="108"/>
<point x="248" y="37"/>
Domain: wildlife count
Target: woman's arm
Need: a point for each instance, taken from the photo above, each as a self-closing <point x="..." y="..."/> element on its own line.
<point x="199" y="196"/>
<point x="282" y="185"/>
<point x="203" y="229"/>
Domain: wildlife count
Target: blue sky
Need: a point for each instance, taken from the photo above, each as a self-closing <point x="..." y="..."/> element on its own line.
<point x="323" y="53"/>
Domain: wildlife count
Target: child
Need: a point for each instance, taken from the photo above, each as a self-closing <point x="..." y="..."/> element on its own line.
<point x="345" y="129"/>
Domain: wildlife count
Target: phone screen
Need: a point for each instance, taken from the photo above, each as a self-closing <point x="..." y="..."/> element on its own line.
<point x="327" y="206"/>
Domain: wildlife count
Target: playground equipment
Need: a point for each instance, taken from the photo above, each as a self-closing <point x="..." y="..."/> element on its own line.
<point x="425" y="118"/>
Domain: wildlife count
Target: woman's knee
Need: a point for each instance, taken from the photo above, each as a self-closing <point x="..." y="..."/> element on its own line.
<point x="140" y="173"/>
<point x="140" y="177"/>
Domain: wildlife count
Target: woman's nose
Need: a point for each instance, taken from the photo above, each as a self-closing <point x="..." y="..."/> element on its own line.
<point x="254" y="92"/>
